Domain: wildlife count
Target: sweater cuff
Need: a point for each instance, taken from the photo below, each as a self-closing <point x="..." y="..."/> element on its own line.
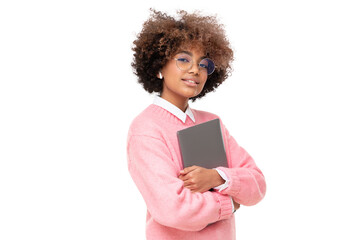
<point x="223" y="176"/>
<point x="225" y="210"/>
<point x="234" y="181"/>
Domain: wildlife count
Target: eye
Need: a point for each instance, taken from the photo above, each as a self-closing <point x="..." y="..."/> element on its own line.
<point x="185" y="60"/>
<point x="203" y="65"/>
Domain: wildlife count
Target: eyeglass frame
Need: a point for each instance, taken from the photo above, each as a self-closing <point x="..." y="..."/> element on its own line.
<point x="192" y="63"/>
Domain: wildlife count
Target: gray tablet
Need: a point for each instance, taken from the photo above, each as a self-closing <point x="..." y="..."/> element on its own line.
<point x="202" y="145"/>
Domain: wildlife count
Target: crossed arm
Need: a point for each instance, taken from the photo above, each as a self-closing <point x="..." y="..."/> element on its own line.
<point x="199" y="179"/>
<point x="169" y="203"/>
<point x="166" y="190"/>
<point x="246" y="182"/>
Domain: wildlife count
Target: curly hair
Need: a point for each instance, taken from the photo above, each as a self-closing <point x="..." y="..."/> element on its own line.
<point x="162" y="36"/>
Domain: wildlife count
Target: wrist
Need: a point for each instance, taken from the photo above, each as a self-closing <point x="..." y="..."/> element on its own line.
<point x="218" y="180"/>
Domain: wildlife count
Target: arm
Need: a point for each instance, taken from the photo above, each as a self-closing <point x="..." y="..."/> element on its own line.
<point x="246" y="182"/>
<point x="156" y="176"/>
<point x="199" y="179"/>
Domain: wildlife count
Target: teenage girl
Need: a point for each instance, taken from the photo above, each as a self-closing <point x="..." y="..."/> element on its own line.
<point x="182" y="59"/>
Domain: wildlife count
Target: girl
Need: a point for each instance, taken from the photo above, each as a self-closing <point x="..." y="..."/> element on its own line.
<point x="184" y="59"/>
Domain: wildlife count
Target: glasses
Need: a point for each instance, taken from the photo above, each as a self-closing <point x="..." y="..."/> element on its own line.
<point x="184" y="62"/>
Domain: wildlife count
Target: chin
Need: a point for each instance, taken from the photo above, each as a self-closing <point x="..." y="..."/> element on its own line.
<point x="190" y="94"/>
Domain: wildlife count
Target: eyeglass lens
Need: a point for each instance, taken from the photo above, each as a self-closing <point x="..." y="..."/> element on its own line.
<point x="185" y="62"/>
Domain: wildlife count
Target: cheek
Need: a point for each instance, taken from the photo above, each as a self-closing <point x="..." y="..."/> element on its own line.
<point x="172" y="79"/>
<point x="200" y="87"/>
<point x="172" y="71"/>
<point x="203" y="82"/>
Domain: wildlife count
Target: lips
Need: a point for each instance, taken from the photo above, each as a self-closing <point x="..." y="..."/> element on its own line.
<point x="193" y="81"/>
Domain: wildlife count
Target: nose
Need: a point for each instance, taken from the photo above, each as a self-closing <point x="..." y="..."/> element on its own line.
<point x="195" y="69"/>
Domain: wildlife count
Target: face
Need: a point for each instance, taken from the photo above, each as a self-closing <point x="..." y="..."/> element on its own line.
<point x="179" y="85"/>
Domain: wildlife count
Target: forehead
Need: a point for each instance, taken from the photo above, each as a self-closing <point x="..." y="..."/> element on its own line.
<point x="193" y="52"/>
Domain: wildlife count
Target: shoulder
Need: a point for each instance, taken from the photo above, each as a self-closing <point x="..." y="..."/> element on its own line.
<point x="203" y="116"/>
<point x="145" y="124"/>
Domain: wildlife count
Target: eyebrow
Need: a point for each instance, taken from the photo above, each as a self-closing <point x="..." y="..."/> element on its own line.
<point x="189" y="53"/>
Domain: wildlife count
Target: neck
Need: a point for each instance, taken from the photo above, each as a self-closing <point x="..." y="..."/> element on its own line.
<point x="181" y="103"/>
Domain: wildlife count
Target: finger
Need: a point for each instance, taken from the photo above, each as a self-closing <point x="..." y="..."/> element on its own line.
<point x="184" y="177"/>
<point x="188" y="184"/>
<point x="188" y="169"/>
<point x="188" y="187"/>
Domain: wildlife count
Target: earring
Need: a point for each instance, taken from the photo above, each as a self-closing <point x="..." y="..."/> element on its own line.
<point x="160" y="75"/>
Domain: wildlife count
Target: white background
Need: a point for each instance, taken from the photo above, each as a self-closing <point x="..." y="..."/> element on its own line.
<point x="68" y="95"/>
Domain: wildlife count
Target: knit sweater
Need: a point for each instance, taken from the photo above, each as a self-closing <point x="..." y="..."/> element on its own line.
<point x="173" y="211"/>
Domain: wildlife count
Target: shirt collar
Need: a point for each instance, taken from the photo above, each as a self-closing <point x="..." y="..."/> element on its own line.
<point x="173" y="109"/>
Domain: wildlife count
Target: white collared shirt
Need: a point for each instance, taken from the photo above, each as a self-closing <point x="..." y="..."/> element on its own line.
<point x="159" y="101"/>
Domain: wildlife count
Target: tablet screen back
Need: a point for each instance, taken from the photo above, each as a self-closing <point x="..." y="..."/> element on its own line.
<point x="202" y="145"/>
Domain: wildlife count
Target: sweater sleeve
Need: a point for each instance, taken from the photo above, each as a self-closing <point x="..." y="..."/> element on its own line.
<point x="246" y="182"/>
<point x="156" y="176"/>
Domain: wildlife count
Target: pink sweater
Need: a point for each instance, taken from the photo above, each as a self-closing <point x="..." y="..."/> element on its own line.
<point x="173" y="212"/>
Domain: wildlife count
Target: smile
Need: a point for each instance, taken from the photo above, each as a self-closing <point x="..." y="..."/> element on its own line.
<point x="190" y="81"/>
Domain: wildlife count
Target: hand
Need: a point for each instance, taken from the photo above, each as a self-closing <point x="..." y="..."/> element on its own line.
<point x="199" y="179"/>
